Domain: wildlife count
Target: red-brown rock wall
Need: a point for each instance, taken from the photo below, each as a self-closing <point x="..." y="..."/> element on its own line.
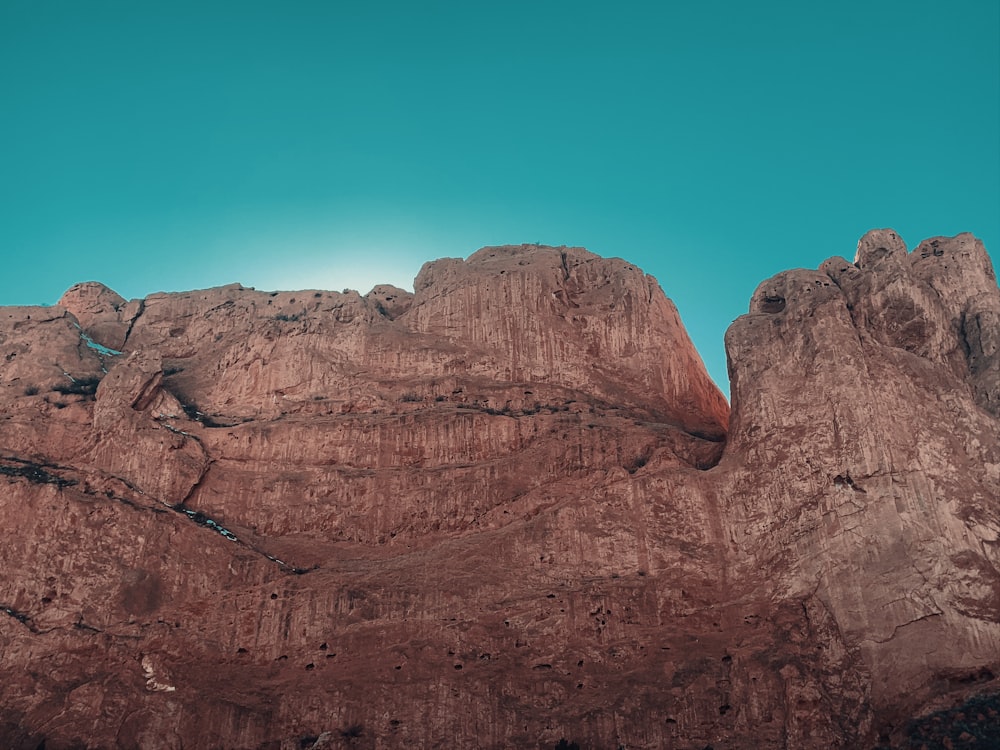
<point x="497" y="512"/>
<point x="853" y="388"/>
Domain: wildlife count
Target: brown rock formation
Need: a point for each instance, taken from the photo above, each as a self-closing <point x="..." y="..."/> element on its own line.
<point x="497" y="512"/>
<point x="861" y="384"/>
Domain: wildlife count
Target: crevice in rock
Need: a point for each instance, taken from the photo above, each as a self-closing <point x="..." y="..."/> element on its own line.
<point x="194" y="414"/>
<point x="131" y="323"/>
<point x="897" y="628"/>
<point x="638" y="462"/>
<point x="206" y="465"/>
<point x="180" y="505"/>
<point x="103" y="352"/>
<point x="848" y="303"/>
<point x="966" y="330"/>
<point x="39" y="473"/>
<point x="36" y="473"/>
<point x="21" y="617"/>
<point x="202" y="520"/>
<point x="83" y="386"/>
<point x="935" y="250"/>
<point x="844" y="480"/>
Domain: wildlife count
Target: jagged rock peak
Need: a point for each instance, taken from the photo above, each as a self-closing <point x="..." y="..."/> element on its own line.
<point x="879" y="244"/>
<point x="939" y="302"/>
<point x="881" y="377"/>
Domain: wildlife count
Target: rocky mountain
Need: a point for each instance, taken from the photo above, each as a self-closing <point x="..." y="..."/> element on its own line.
<point x="509" y="509"/>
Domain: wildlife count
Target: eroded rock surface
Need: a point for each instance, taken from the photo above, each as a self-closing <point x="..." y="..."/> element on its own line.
<point x="864" y="389"/>
<point x="501" y="511"/>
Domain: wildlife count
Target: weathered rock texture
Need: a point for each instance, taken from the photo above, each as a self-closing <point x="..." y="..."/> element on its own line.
<point x="503" y="510"/>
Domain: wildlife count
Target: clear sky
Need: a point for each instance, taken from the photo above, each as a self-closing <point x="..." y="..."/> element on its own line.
<point x="178" y="145"/>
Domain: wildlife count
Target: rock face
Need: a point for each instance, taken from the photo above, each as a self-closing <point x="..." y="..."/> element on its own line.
<point x="872" y="386"/>
<point x="505" y="510"/>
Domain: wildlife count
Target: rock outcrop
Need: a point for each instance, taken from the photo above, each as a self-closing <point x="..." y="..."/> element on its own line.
<point x="860" y="382"/>
<point x="506" y="510"/>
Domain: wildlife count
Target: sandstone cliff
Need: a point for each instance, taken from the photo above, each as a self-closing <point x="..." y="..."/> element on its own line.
<point x="503" y="510"/>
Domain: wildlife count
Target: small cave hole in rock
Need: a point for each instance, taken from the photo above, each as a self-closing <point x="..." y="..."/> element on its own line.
<point x="773" y="304"/>
<point x="844" y="480"/>
<point x="636" y="463"/>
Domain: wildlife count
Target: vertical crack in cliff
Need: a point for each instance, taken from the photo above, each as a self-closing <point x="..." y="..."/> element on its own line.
<point x="849" y="304"/>
<point x="131" y="323"/>
<point x="206" y="465"/>
<point x="857" y="326"/>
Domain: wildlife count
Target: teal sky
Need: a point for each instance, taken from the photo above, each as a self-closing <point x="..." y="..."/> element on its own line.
<point x="170" y="146"/>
